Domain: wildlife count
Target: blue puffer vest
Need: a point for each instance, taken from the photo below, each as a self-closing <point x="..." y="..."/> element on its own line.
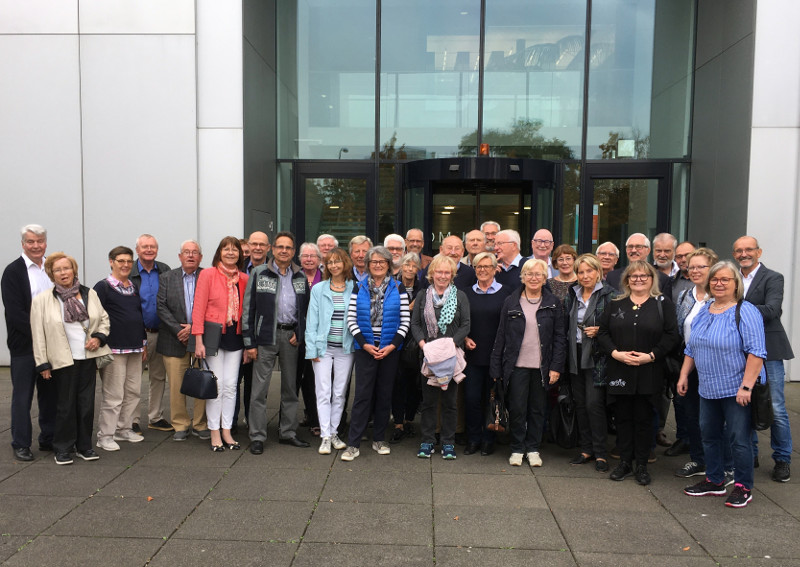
<point x="391" y="313"/>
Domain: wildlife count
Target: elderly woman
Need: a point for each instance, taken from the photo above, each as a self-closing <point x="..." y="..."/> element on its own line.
<point x="329" y="345"/>
<point x="528" y="356"/>
<point x="638" y="330"/>
<point x="69" y="328"/>
<point x="441" y="312"/>
<point x="690" y="302"/>
<point x="406" y="394"/>
<point x="485" y="299"/>
<point x="311" y="264"/>
<point x="564" y="260"/>
<point x="378" y="319"/>
<point x="585" y="304"/>
<point x="218" y="300"/>
<point x="122" y="379"/>
<point x="728" y="349"/>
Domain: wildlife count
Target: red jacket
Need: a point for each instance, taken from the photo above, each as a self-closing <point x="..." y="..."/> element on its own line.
<point x="211" y="300"/>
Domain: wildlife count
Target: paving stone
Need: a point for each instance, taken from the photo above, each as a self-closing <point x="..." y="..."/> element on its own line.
<point x="115" y="516"/>
<point x="382" y="487"/>
<point x="296" y="485"/>
<point x="497" y="526"/>
<point x="599" y="493"/>
<point x="670" y="494"/>
<point x="401" y="459"/>
<point x="371" y="523"/>
<point x="56" y="551"/>
<point x="785" y="495"/>
<point x="29" y="515"/>
<point x="520" y="491"/>
<point x="209" y="551"/>
<point x="48" y="479"/>
<point x="190" y="453"/>
<point x="642" y="560"/>
<point x="352" y="555"/>
<point x="756" y="562"/>
<point x="277" y="456"/>
<point x="10" y="544"/>
<point x="9" y="469"/>
<point x="477" y="464"/>
<point x="190" y="482"/>
<point x="482" y="556"/>
<point x="625" y="531"/>
<point x="247" y="520"/>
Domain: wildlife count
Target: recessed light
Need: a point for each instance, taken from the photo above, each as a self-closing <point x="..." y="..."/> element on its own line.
<point x="527" y="208"/>
<point x="445" y="212"/>
<point x="449" y="208"/>
<point x="516" y="212"/>
<point x="334" y="206"/>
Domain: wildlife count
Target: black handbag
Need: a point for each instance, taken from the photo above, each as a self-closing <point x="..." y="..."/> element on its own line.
<point x="199" y="382"/>
<point x="563" y="419"/>
<point x="496" y="412"/>
<point x="761" y="415"/>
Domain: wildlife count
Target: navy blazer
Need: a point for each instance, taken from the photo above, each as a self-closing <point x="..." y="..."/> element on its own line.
<point x="16" y="291"/>
<point x="766" y="293"/>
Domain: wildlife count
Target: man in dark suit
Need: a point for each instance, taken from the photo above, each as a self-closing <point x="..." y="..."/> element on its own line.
<point x="175" y="300"/>
<point x="23" y="279"/>
<point x="764" y="289"/>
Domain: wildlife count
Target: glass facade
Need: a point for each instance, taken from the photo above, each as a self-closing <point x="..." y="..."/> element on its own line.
<point x="572" y="81"/>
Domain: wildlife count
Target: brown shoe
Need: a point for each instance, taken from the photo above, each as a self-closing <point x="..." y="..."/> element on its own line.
<point x="662" y="440"/>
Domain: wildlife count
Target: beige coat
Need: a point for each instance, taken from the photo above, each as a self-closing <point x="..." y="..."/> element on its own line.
<point x="50" y="345"/>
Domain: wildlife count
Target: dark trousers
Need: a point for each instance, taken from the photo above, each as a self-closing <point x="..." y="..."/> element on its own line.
<point x="306" y="383"/>
<point x="75" y="412"/>
<point x="431" y="397"/>
<point x="634" y="417"/>
<point x="374" y="380"/>
<point x="246" y="377"/>
<point x="690" y="408"/>
<point x="476" y="386"/>
<point x="24" y="379"/>
<point x="590" y="410"/>
<point x="406" y="394"/>
<point x="526" y="400"/>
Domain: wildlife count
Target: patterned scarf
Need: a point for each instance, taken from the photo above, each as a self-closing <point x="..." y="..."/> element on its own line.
<point x="232" y="281"/>
<point x="74" y="310"/>
<point x="448" y="302"/>
<point x="376" y="293"/>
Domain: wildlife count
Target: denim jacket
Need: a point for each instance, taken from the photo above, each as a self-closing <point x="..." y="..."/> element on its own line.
<point x="318" y="320"/>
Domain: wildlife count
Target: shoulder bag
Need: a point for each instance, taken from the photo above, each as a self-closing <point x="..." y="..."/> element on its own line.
<point x="199" y="382"/>
<point x="761" y="414"/>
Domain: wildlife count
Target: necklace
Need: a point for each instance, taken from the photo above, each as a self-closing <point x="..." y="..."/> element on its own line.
<point x="716" y="307"/>
<point x="531" y="301"/>
<point x="637" y="306"/>
<point x="338" y="287"/>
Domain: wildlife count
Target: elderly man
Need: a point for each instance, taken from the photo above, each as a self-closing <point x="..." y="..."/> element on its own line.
<point x="259" y="248"/>
<point x="475" y="243"/>
<point x="415" y="244"/>
<point x="764" y="289"/>
<point x="326" y="243"/>
<point x="396" y="245"/>
<point x="452" y="247"/>
<point x="637" y="247"/>
<point x="175" y="301"/>
<point x="664" y="245"/>
<point x="608" y="254"/>
<point x="509" y="260"/>
<point x="24" y="279"/>
<point x="358" y="254"/>
<point x="273" y="324"/>
<point x="542" y="247"/>
<point x="681" y="279"/>
<point x="490" y="229"/>
<point x="145" y="274"/>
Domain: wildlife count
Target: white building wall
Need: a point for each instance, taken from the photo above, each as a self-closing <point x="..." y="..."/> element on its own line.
<point x="119" y="117"/>
<point x="773" y="204"/>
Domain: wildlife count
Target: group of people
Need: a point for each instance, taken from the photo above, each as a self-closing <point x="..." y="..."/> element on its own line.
<point x="436" y="335"/>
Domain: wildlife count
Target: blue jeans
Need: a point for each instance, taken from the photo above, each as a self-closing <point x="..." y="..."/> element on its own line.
<point x="780" y="433"/>
<point x="715" y="417"/>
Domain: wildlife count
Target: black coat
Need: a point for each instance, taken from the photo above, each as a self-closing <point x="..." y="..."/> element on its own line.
<point x="508" y="343"/>
<point x="16" y="291"/>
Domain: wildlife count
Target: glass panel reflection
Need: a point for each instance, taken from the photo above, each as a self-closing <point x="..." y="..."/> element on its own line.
<point x="571" y="198"/>
<point x="622" y="207"/>
<point x="335" y="206"/>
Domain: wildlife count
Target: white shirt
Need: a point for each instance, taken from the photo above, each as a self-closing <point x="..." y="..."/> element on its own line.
<point x="515" y="262"/>
<point x="37" y="277"/>
<point x="748" y="279"/>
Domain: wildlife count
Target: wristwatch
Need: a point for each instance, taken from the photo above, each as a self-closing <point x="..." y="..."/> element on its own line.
<point x="745" y="388"/>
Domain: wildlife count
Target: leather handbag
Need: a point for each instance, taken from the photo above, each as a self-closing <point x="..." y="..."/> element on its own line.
<point x="199" y="382"/>
<point x="564" y="419"/>
<point x="496" y="413"/>
<point x="761" y="415"/>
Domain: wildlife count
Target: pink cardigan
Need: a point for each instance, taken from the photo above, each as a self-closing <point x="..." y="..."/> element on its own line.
<point x="211" y="300"/>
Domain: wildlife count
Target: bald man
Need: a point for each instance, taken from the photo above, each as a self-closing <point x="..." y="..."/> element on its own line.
<point x="259" y="249"/>
<point x="542" y="246"/>
<point x="475" y="243"/>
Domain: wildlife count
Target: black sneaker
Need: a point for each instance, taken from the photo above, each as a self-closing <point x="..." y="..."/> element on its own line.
<point x="88" y="455"/>
<point x="730" y="478"/>
<point x="63" y="459"/>
<point x="690" y="469"/>
<point x="642" y="476"/>
<point x="136" y="429"/>
<point x="705" y="488"/>
<point x="739" y="497"/>
<point x="781" y="472"/>
<point x="622" y="470"/>
<point x="397" y="435"/>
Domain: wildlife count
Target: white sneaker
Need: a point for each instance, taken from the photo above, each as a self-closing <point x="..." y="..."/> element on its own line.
<point x="534" y="459"/>
<point x="382" y="447"/>
<point x="325" y="446"/>
<point x="337" y="443"/>
<point x="515" y="460"/>
<point x="128" y="435"/>
<point x="107" y="444"/>
<point x="350" y="454"/>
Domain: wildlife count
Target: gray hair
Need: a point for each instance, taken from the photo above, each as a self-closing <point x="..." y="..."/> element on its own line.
<point x="358" y="240"/>
<point x="396" y="238"/>
<point x="738" y="294"/>
<point x="185" y="242"/>
<point x="512" y="235"/>
<point x="36" y="229"/>
<point x="613" y="246"/>
<point x="646" y="240"/>
<point x="145" y="235"/>
<point x="411" y="257"/>
<point x="483" y="255"/>
<point x="666" y="237"/>
<point x="381" y="251"/>
<point x="313" y="247"/>
<point x="484" y="223"/>
<point x="322" y="237"/>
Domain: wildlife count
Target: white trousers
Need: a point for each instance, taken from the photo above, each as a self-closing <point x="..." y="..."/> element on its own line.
<point x="225" y="366"/>
<point x="331" y="389"/>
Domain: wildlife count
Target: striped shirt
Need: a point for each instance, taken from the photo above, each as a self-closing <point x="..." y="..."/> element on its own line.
<point x="720" y="352"/>
<point x="352" y="317"/>
<point x="336" y="332"/>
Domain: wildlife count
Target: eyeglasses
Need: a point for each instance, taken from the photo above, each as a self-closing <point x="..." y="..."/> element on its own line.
<point x="565" y="260"/>
<point x="740" y="251"/>
<point x="257" y="245"/>
<point x="484" y="267"/>
<point x="639" y="277"/>
<point x="308" y="256"/>
<point x="696" y="268"/>
<point x="123" y="261"/>
<point x="378" y="263"/>
<point x="541" y="241"/>
<point x="61" y="270"/>
<point x="443" y="273"/>
<point x="534" y="275"/>
<point x="611" y="254"/>
<point x="636" y="247"/>
<point x="723" y="281"/>
<point x="487" y="233"/>
<point x="283" y="248"/>
<point x="334" y="262"/>
<point x="394" y="249"/>
<point x="190" y="252"/>
<point x="496" y="243"/>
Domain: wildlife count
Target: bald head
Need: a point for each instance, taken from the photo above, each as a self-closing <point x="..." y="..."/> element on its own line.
<point x="452" y="247"/>
<point x="259" y="247"/>
<point x="542" y="244"/>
